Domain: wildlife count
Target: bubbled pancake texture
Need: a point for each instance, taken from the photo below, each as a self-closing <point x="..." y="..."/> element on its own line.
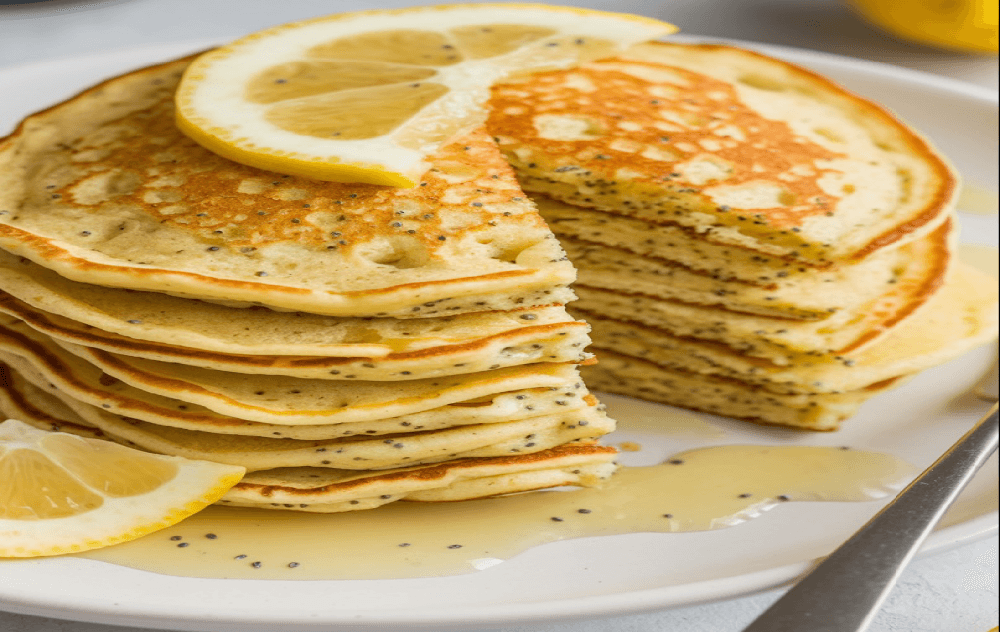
<point x="751" y="240"/>
<point x="105" y="189"/>
<point x="739" y="148"/>
<point x="354" y="344"/>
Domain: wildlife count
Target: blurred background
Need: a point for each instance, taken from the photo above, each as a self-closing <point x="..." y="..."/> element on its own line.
<point x="70" y="27"/>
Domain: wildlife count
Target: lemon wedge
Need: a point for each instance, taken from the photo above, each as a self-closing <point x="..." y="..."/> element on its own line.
<point x="368" y="96"/>
<point x="60" y="493"/>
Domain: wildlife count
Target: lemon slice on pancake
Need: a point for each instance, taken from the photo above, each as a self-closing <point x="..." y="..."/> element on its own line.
<point x="368" y="96"/>
<point x="60" y="493"/>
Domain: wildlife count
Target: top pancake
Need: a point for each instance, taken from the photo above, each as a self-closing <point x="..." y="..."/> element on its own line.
<point x="745" y="149"/>
<point x="104" y="189"/>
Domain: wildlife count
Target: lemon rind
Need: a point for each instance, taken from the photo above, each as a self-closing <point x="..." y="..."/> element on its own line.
<point x="380" y="160"/>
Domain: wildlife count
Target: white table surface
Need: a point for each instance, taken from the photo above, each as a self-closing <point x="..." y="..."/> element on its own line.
<point x="951" y="591"/>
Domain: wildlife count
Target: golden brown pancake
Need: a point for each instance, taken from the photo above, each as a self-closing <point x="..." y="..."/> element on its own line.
<point x="780" y="340"/>
<point x="578" y="464"/>
<point x="399" y="449"/>
<point x="638" y="377"/>
<point x="560" y="341"/>
<point x="162" y="297"/>
<point x="118" y="318"/>
<point x="958" y="318"/>
<point x="104" y="189"/>
<point x="741" y="148"/>
<point x="325" y="490"/>
<point x="29" y="353"/>
<point x="816" y="296"/>
<point x="18" y="400"/>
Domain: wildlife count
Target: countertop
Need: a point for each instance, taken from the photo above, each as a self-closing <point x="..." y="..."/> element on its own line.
<point x="951" y="591"/>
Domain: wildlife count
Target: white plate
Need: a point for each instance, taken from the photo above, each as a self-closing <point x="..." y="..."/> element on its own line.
<point x="591" y="576"/>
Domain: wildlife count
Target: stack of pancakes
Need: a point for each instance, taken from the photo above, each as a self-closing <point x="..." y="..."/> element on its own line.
<point x="350" y="345"/>
<point x="751" y="239"/>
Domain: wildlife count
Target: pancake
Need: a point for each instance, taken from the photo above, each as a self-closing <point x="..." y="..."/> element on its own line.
<point x="560" y="341"/>
<point x="958" y="318"/>
<point x="637" y="377"/>
<point x="350" y="345"/>
<point x="254" y="331"/>
<point x="18" y="401"/>
<point x="781" y="341"/>
<point x="270" y="398"/>
<point x="170" y="389"/>
<point x="82" y="383"/>
<point x="353" y="345"/>
<point x="744" y="149"/>
<point x="804" y="297"/>
<point x="667" y="242"/>
<point x="104" y="189"/>
<point x="330" y="490"/>
<point x="302" y="489"/>
<point x="367" y="453"/>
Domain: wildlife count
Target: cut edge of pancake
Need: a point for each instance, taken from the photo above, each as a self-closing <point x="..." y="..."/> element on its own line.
<point x="779" y="340"/>
<point x="637" y="377"/>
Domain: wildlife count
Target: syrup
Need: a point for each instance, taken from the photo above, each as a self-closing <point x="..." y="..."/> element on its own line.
<point x="707" y="488"/>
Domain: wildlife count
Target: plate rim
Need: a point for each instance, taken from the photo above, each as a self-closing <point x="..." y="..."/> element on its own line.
<point x="613" y="604"/>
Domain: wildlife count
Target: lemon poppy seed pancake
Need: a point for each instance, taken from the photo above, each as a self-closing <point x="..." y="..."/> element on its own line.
<point x="24" y="402"/>
<point x="961" y="316"/>
<point x="803" y="297"/>
<point x="742" y="149"/>
<point x="583" y="464"/>
<point x="926" y="263"/>
<point x="117" y="314"/>
<point x="259" y="340"/>
<point x="679" y="245"/>
<point x="360" y="452"/>
<point x="751" y="240"/>
<point x="274" y="399"/>
<point x="104" y="189"/>
<point x="326" y="490"/>
<point x="637" y="377"/>
<point x="129" y="403"/>
<point x="561" y="341"/>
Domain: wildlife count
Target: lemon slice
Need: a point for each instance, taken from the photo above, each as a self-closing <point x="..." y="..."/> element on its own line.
<point x="368" y="96"/>
<point x="60" y="493"/>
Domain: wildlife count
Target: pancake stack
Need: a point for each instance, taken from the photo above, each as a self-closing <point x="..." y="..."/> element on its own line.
<point x="350" y="345"/>
<point x="751" y="239"/>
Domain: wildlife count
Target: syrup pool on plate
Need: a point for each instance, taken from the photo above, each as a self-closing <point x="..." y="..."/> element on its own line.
<point x="695" y="490"/>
